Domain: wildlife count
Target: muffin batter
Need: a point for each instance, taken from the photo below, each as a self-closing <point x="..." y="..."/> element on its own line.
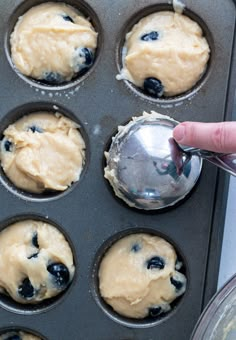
<point x="165" y="54"/>
<point x="139" y="276"/>
<point x="36" y="261"/>
<point x="18" y="336"/>
<point x="53" y="42"/>
<point x="43" y="151"/>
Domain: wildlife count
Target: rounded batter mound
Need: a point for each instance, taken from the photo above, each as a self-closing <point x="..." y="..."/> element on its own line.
<point x="165" y="54"/>
<point x="36" y="261"/>
<point x="53" y="42"/>
<point x="43" y="151"/>
<point x="19" y="335"/>
<point x="139" y="276"/>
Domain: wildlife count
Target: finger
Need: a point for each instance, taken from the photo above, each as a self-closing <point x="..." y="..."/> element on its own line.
<point x="218" y="137"/>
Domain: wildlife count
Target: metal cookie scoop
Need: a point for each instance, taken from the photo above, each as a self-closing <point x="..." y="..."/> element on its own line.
<point x="182" y="155"/>
<point x="142" y="168"/>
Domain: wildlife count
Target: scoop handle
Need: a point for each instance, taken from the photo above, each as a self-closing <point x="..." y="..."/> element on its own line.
<point x="226" y="162"/>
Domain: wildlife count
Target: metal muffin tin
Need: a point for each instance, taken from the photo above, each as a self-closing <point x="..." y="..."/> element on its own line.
<point x="89" y="214"/>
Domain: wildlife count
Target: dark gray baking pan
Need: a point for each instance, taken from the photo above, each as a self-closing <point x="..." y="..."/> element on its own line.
<point x="88" y="213"/>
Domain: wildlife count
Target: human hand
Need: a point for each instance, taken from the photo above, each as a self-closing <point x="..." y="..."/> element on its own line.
<point x="218" y="137"/>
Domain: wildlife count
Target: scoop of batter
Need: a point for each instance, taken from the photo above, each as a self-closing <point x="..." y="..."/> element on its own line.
<point x="43" y="151"/>
<point x="53" y="42"/>
<point x="18" y="336"/>
<point x="139" y="276"/>
<point x="36" y="261"/>
<point x="165" y="54"/>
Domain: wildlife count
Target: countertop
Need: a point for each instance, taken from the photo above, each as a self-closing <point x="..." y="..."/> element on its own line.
<point x="228" y="254"/>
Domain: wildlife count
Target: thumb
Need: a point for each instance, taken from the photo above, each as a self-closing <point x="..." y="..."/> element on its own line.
<point x="218" y="137"/>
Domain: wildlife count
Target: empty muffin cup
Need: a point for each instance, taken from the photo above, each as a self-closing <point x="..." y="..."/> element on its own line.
<point x="165" y="54"/>
<point x="140" y="276"/>
<point x="42" y="152"/>
<point x="36" y="261"/>
<point x="53" y="43"/>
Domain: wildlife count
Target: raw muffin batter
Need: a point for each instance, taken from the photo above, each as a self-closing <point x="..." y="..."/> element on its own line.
<point x="138" y="276"/>
<point x="53" y="42"/>
<point x="43" y="151"/>
<point x="18" y="336"/>
<point x="165" y="54"/>
<point x="36" y="261"/>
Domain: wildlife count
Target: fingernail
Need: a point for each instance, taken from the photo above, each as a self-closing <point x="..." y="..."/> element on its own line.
<point x="179" y="133"/>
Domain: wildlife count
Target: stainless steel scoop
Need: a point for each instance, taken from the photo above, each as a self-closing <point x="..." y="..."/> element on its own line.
<point x="224" y="161"/>
<point x="149" y="170"/>
<point x="141" y="166"/>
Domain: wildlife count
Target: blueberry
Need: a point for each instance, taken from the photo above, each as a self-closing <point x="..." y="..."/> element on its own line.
<point x="8" y="146"/>
<point x="67" y="18"/>
<point x="150" y="36"/>
<point x="178" y="284"/>
<point x="83" y="59"/>
<point x="35" y="128"/>
<point x="156" y="262"/>
<point x="35" y="244"/>
<point x="154" y="311"/>
<point x="35" y="240"/>
<point x="88" y="55"/>
<point x="35" y="255"/>
<point x="60" y="274"/>
<point x="26" y="290"/>
<point x="153" y="87"/>
<point x="53" y="78"/>
<point x="136" y="248"/>
<point x="13" y="337"/>
<point x="178" y="264"/>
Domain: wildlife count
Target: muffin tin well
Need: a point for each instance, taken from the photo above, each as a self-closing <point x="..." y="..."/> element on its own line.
<point x="129" y="322"/>
<point x="11" y="330"/>
<point x="13" y="306"/>
<point x="16" y="114"/>
<point x="83" y="8"/>
<point x="120" y="53"/>
<point x="88" y="213"/>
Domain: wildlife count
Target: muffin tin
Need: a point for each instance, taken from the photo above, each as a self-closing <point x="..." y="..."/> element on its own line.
<point x="89" y="214"/>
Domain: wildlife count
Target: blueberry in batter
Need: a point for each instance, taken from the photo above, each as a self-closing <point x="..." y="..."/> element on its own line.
<point x="155" y="311"/>
<point x="136" y="247"/>
<point x="59" y="30"/>
<point x="156" y="262"/>
<point x="35" y="240"/>
<point x="53" y="78"/>
<point x="14" y="337"/>
<point x="150" y="36"/>
<point x="48" y="153"/>
<point x="36" y="261"/>
<point x="83" y="59"/>
<point x="87" y="55"/>
<point x="60" y="273"/>
<point x="153" y="87"/>
<point x="34" y="255"/>
<point x="8" y="146"/>
<point x="178" y="284"/>
<point x="138" y="278"/>
<point x="36" y="245"/>
<point x="26" y="290"/>
<point x="35" y="128"/>
<point x="165" y="54"/>
<point x="67" y="18"/>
